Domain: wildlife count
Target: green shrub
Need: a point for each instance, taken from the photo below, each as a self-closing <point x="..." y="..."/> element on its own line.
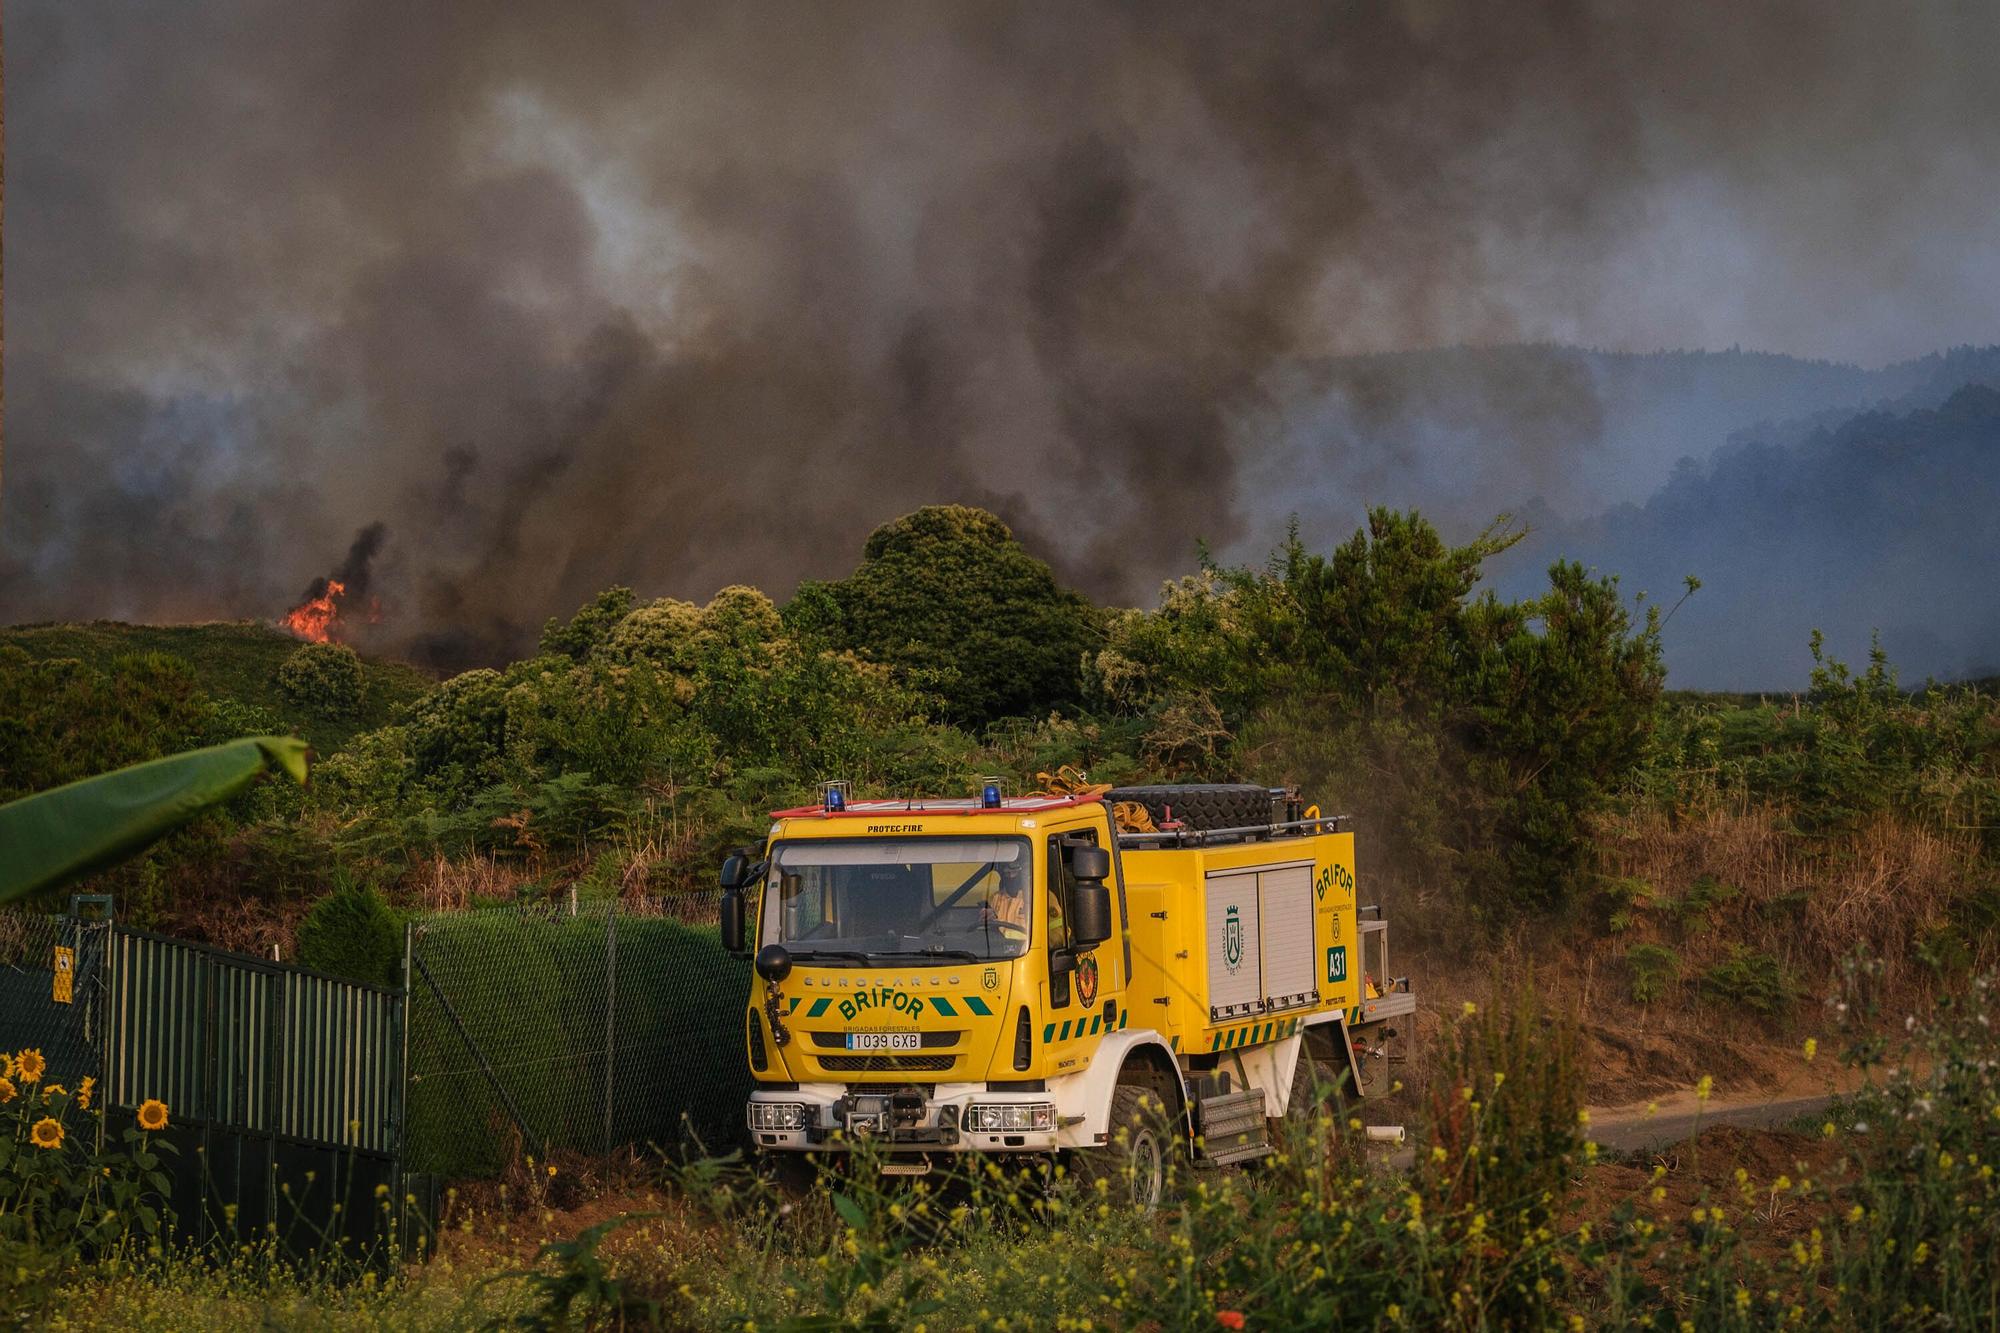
<point x="1623" y="898"/>
<point x="1655" y="969"/>
<point x="352" y="933"/>
<point x="323" y="679"/>
<point x="62" y="719"/>
<point x="1750" y="979"/>
<point x="1475" y="738"/>
<point x="587" y="629"/>
<point x="1703" y="896"/>
<point x="949" y="596"/>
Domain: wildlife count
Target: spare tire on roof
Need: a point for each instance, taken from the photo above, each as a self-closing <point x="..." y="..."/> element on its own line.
<point x="1203" y="806"/>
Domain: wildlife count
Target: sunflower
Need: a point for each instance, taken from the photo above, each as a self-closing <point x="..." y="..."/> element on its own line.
<point x="8" y="1092"/>
<point x="83" y="1092"/>
<point x="6" y="1065"/>
<point x="51" y="1091"/>
<point x="152" y="1114"/>
<point x="28" y="1066"/>
<point x="47" y="1133"/>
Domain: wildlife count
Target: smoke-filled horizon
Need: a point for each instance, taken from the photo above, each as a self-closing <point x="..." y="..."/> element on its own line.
<point x="566" y="296"/>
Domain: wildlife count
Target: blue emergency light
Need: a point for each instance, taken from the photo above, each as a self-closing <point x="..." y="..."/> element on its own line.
<point x="836" y="799"/>
<point x="990" y="797"/>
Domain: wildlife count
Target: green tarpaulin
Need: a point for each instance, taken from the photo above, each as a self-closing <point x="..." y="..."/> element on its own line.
<point x="56" y="837"/>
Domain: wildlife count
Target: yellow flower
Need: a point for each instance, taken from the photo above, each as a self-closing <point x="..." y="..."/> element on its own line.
<point x="28" y="1066"/>
<point x="1812" y="1048"/>
<point x="47" y="1133"/>
<point x="8" y="1092"/>
<point x="152" y="1114"/>
<point x="1704" y="1088"/>
<point x="1470" y="1008"/>
<point x="84" y="1091"/>
<point x="52" y="1091"/>
<point x="6" y="1065"/>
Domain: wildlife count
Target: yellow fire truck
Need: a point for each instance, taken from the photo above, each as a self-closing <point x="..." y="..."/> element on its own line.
<point x="1021" y="974"/>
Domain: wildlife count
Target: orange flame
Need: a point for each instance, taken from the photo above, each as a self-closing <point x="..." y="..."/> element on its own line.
<point x="316" y="618"/>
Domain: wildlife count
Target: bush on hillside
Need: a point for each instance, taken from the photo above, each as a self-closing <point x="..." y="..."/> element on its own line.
<point x="353" y="933"/>
<point x="323" y="679"/>
<point x="947" y="595"/>
<point x="1475" y="738"/>
<point x="62" y="719"/>
<point x="586" y="630"/>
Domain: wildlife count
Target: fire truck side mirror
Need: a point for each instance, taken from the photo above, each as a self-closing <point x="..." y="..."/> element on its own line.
<point x="1091" y="924"/>
<point x="732" y="920"/>
<point x="735" y="872"/>
<point x="1089" y="865"/>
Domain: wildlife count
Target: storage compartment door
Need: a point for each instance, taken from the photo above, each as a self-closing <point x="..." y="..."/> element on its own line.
<point x="1285" y="916"/>
<point x="1235" y="982"/>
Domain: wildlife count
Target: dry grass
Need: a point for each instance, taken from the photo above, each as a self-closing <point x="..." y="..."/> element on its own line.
<point x="1807" y="903"/>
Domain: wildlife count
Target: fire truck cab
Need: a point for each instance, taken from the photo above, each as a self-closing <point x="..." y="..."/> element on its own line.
<point x="1021" y="975"/>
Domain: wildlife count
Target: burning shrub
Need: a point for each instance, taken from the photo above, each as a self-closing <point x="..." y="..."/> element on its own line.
<point x="323" y="679"/>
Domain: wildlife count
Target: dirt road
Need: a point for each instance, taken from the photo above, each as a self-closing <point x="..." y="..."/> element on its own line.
<point x="1633" y="1129"/>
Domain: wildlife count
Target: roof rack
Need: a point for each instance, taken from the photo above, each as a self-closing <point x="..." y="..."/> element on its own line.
<point x="1221" y="837"/>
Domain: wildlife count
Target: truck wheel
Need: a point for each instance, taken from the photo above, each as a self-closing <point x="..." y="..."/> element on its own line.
<point x="1133" y="1163"/>
<point x="1316" y="1085"/>
<point x="1212" y="805"/>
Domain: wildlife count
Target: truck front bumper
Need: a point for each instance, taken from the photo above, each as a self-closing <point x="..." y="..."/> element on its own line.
<point x="954" y="1117"/>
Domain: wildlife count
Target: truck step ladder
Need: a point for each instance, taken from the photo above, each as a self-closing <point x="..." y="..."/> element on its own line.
<point x="1232" y="1127"/>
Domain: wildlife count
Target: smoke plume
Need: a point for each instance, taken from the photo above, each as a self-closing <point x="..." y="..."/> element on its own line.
<point x="556" y="297"/>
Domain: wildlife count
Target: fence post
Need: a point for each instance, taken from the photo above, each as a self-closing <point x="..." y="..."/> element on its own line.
<point x="610" y="1015"/>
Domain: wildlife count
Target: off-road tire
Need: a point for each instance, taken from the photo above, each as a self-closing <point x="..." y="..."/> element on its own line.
<point x="1135" y="1161"/>
<point x="1203" y="806"/>
<point x="1321" y="1070"/>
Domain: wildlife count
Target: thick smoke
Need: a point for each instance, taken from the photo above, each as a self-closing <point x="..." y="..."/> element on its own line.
<point x="357" y="570"/>
<point x="679" y="296"/>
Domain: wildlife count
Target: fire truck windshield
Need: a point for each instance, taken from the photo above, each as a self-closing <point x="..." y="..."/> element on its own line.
<point x="900" y="900"/>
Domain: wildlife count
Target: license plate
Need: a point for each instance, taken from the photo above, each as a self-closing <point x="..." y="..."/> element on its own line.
<point x="882" y="1041"/>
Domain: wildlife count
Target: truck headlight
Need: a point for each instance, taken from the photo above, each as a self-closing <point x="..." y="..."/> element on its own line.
<point x="1011" y="1117"/>
<point x="777" y="1115"/>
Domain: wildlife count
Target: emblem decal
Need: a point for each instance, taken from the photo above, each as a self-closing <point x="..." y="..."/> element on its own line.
<point x="1086" y="980"/>
<point x="1232" y="939"/>
<point x="991" y="981"/>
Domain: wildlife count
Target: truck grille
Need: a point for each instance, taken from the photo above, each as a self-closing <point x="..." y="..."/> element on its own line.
<point x="873" y="1064"/>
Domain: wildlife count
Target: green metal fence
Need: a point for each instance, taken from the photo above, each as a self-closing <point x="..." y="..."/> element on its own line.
<point x="283" y="1087"/>
<point x="257" y="1046"/>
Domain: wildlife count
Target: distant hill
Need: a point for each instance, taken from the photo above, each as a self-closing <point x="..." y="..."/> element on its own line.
<point x="231" y="660"/>
<point x="1560" y="432"/>
<point x="1885" y="522"/>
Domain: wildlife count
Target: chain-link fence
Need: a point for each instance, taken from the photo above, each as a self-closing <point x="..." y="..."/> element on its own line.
<point x="52" y="991"/>
<point x="559" y="1026"/>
